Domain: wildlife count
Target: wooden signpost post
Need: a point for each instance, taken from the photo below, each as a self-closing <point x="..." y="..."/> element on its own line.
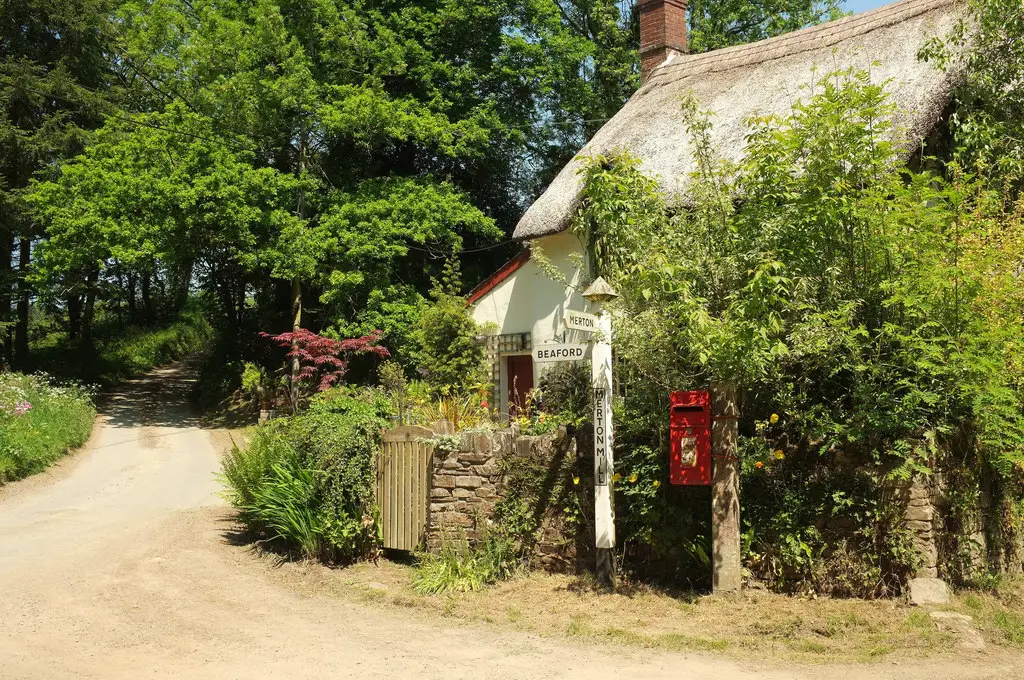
<point x="725" y="511"/>
<point x="597" y="294"/>
<point x="600" y="324"/>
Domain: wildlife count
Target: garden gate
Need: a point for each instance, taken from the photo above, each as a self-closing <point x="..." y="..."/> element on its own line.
<point x="403" y="486"/>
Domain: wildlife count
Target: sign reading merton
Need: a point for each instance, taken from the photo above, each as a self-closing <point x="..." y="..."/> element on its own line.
<point x="580" y="321"/>
<point x="568" y="351"/>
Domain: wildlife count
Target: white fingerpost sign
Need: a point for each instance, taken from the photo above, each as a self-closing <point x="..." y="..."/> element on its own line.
<point x="597" y="294"/>
<point x="580" y="321"/>
<point x="564" y="351"/>
<point x="601" y="362"/>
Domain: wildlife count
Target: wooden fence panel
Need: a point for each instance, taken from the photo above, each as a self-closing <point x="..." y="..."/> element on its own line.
<point x="403" y="486"/>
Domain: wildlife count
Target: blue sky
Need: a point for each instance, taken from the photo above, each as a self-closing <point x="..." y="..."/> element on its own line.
<point x="858" y="6"/>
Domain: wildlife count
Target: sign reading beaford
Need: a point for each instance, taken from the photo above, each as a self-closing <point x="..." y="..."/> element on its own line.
<point x="570" y="351"/>
<point x="580" y="321"/>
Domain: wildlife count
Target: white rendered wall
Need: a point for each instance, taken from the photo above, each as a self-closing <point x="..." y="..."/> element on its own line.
<point x="530" y="301"/>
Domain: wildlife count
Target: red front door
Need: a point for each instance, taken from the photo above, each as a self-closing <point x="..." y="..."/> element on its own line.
<point x="520" y="381"/>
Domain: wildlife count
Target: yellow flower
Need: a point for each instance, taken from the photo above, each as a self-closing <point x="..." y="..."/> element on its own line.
<point x="575" y="481"/>
<point x="657" y="483"/>
<point x="779" y="454"/>
<point x="632" y="478"/>
<point x="616" y="477"/>
<point x="774" y="419"/>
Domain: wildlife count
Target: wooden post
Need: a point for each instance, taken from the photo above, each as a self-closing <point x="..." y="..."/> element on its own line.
<point x="725" y="491"/>
<point x="604" y="439"/>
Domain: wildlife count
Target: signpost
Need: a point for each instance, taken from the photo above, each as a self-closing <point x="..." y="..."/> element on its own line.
<point x="597" y="294"/>
<point x="563" y="351"/>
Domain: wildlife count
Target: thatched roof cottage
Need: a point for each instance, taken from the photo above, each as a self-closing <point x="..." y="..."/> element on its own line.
<point x="528" y="307"/>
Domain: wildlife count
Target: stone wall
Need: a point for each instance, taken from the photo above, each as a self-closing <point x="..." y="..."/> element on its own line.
<point x="923" y="501"/>
<point x="470" y="475"/>
<point x="466" y="481"/>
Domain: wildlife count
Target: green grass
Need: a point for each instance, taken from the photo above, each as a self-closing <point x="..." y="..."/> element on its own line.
<point x="59" y="418"/>
<point x="1010" y="625"/>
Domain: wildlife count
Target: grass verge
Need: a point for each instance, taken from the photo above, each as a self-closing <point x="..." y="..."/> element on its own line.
<point x="759" y="626"/>
<point x="39" y="422"/>
<point x="122" y="352"/>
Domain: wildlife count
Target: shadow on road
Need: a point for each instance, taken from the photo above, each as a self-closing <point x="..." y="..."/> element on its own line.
<point x="158" y="399"/>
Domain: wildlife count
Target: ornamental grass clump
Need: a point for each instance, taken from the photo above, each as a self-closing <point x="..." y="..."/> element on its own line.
<point x="305" y="484"/>
<point x="463" y="567"/>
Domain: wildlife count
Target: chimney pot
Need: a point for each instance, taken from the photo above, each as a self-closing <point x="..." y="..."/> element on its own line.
<point x="662" y="32"/>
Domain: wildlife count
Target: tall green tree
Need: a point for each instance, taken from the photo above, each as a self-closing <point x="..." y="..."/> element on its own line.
<point x="314" y="162"/>
<point x="55" y="55"/>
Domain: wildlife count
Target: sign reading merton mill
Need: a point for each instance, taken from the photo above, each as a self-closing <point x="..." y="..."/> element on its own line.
<point x="564" y="351"/>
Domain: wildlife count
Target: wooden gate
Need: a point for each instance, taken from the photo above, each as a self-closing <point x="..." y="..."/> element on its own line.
<point x="403" y="486"/>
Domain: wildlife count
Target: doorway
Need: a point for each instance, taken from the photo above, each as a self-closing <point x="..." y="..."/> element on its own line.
<point x="520" y="381"/>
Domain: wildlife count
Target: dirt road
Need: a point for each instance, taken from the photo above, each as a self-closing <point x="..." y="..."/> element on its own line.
<point x="119" y="564"/>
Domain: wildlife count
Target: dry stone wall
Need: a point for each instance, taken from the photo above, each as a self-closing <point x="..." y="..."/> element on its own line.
<point x="923" y="501"/>
<point x="470" y="476"/>
<point x="466" y="481"/>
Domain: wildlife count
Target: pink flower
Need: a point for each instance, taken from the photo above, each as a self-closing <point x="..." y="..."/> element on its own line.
<point x="22" y="408"/>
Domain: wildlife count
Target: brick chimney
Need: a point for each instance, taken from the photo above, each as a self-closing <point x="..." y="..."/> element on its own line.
<point x="662" y="32"/>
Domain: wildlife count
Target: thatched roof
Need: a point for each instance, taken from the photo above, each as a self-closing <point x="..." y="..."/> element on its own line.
<point x="758" y="79"/>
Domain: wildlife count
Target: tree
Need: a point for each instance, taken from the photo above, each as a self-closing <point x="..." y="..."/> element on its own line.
<point x="715" y="24"/>
<point x="54" y="63"/>
<point x="324" y="361"/>
<point x="167" y="194"/>
<point x="450" y="355"/>
<point x="306" y="164"/>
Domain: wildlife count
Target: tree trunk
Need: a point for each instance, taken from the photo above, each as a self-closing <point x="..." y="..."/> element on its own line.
<point x="74" y="317"/>
<point x="147" y="300"/>
<point x="6" y="296"/>
<point x="184" y="283"/>
<point x="297" y="286"/>
<point x="296" y="325"/>
<point x="24" y="297"/>
<point x="89" y="312"/>
<point x="133" y="313"/>
<point x="727" y="574"/>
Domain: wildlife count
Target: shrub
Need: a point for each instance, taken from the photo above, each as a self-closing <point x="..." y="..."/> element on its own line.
<point x="449" y="354"/>
<point x="462" y="410"/>
<point x="139" y="350"/>
<point x="40" y="420"/>
<point x="244" y="469"/>
<point x="868" y="310"/>
<point x="308" y="481"/>
<point x="285" y="504"/>
<point x="567" y="392"/>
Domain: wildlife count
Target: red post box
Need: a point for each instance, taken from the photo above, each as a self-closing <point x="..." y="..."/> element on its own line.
<point x="690" y="438"/>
